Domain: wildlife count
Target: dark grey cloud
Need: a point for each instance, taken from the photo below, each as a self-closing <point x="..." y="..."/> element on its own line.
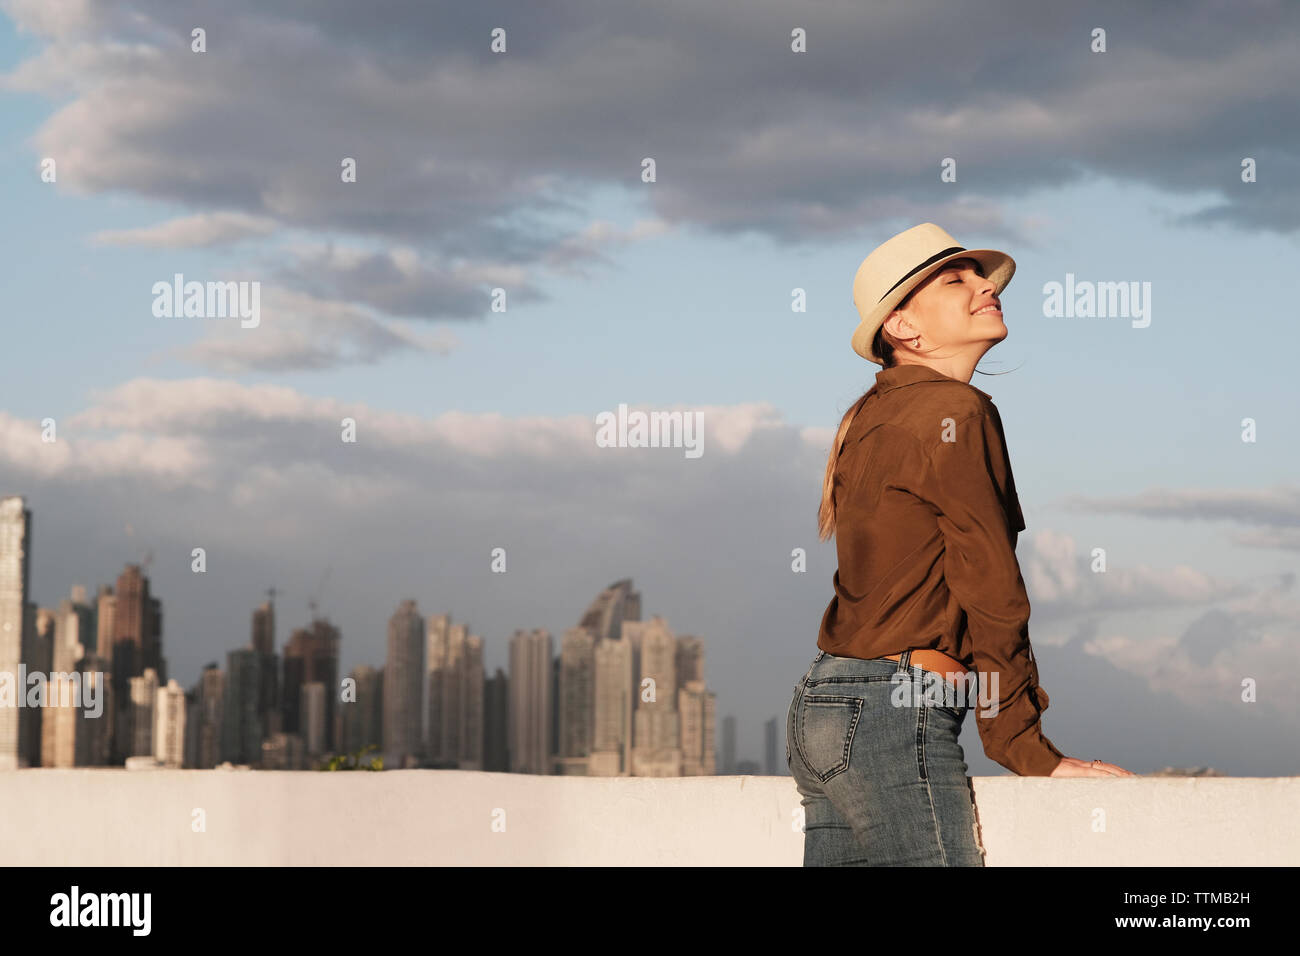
<point x="450" y="138"/>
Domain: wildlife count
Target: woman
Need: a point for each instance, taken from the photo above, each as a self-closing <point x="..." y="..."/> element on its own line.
<point x="930" y="615"/>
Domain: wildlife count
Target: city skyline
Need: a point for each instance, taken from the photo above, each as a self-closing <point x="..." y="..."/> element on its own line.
<point x="424" y="707"/>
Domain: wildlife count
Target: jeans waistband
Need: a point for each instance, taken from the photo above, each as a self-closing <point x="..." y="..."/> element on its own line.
<point x="904" y="661"/>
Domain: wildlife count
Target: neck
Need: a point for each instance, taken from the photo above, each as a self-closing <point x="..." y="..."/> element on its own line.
<point x="959" y="368"/>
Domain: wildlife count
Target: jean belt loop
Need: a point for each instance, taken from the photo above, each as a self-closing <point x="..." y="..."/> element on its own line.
<point x="905" y="659"/>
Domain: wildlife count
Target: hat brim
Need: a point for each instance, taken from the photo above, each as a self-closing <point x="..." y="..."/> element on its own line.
<point x="998" y="266"/>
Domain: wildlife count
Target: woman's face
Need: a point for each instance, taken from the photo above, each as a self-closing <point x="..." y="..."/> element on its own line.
<point x="953" y="310"/>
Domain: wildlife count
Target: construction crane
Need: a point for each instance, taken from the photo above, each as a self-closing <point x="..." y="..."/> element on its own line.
<point x="313" y="601"/>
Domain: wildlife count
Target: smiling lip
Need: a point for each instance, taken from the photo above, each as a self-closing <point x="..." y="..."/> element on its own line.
<point x="990" y="309"/>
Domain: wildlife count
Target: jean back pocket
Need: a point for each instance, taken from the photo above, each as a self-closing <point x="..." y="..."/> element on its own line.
<point x="827" y="724"/>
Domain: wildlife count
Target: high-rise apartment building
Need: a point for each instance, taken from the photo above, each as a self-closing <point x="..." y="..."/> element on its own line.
<point x="106" y="622"/>
<point x="656" y="741"/>
<point x="577" y="701"/>
<point x="454" y="712"/>
<point x="311" y="656"/>
<point x="496" y="723"/>
<point x="169" y="726"/>
<point x="210" y="707"/>
<point x="530" y="702"/>
<point x="312" y="710"/>
<point x="75" y="635"/>
<point x="404" y="688"/>
<point x="136" y="647"/>
<point x="263" y="644"/>
<point x="38" y="656"/>
<point x="15" y="623"/>
<point x="144" y="697"/>
<point x="696" y="705"/>
<point x="617" y="603"/>
<point x="242" y="731"/>
<point x="616" y="663"/>
<point x="361" y="721"/>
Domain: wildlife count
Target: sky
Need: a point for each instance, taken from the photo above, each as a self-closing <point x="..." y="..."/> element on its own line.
<point x="775" y="171"/>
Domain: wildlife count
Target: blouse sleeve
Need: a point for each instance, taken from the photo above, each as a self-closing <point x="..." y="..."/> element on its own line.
<point x="968" y="481"/>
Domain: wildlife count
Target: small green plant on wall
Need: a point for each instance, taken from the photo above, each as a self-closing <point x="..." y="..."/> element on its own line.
<point x="353" y="761"/>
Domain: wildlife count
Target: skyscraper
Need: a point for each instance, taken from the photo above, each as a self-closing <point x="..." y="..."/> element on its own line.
<point x="210" y="700"/>
<point x="137" y="618"/>
<point x="614" y="605"/>
<point x="242" y="731"/>
<point x="263" y="643"/>
<point x="361" y="721"/>
<point x="404" y="682"/>
<point x="39" y="655"/>
<point x="577" y="700"/>
<point x="473" y="706"/>
<point x="453" y="733"/>
<point x="656" y="746"/>
<point x="94" y="733"/>
<point x="312" y="710"/>
<point x="15" y="636"/>
<point x="496" y="723"/>
<point x="696" y="706"/>
<point x="74" y="634"/>
<point x="144" y="697"/>
<point x="530" y="702"/>
<point x="616" y="662"/>
<point x="264" y="628"/>
<point x="106" y="621"/>
<point x="137" y="646"/>
<point x="311" y="656"/>
<point x="169" y="726"/>
<point x="59" y="720"/>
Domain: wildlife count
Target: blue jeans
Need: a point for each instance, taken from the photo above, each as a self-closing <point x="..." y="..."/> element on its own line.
<point x="882" y="785"/>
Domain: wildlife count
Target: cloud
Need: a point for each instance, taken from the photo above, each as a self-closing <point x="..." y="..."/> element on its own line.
<point x="204" y="229"/>
<point x="1062" y="583"/>
<point x="1276" y="511"/>
<point x="299" y="332"/>
<point x="1253" y="635"/>
<point x="474" y="164"/>
<point x="459" y="147"/>
<point x="400" y="281"/>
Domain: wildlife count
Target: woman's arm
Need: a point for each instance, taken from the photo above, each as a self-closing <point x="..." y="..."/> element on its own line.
<point x="968" y="481"/>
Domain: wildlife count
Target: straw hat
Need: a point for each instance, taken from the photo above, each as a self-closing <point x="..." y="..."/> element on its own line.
<point x="898" y="266"/>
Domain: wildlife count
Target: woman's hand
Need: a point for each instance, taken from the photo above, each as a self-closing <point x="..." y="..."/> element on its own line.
<point x="1070" y="767"/>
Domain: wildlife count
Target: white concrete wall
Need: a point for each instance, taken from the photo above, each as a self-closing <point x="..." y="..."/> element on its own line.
<point x="102" y="817"/>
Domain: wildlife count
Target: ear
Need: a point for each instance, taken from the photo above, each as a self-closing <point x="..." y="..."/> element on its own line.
<point x="891" y="323"/>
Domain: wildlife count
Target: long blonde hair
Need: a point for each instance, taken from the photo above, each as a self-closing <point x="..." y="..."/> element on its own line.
<point x="826" y="513"/>
<point x="884" y="347"/>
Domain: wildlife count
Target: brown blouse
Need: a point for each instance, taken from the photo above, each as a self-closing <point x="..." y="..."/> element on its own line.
<point x="926" y="525"/>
